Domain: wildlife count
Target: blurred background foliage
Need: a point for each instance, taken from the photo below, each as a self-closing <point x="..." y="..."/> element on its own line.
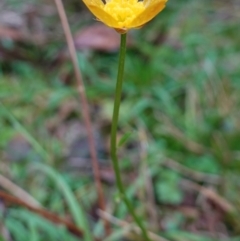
<point x="180" y="106"/>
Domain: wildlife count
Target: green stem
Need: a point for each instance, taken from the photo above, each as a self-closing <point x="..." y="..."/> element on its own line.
<point x="114" y="157"/>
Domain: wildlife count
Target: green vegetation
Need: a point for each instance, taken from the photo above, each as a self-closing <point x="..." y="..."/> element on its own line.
<point x="179" y="127"/>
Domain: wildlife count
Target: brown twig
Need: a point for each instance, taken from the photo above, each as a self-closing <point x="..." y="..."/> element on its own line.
<point x="85" y="107"/>
<point x="18" y="192"/>
<point x="44" y="213"/>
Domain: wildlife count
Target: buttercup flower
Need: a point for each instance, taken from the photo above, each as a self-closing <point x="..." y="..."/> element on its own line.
<point x="125" y="14"/>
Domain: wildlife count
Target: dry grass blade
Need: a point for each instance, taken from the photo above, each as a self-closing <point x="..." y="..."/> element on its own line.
<point x="174" y="131"/>
<point x="195" y="175"/>
<point x="221" y="202"/>
<point x="44" y="213"/>
<point x="85" y="107"/>
<point x="18" y="192"/>
<point x="149" y="192"/>
<point x="77" y="211"/>
<point x="121" y="223"/>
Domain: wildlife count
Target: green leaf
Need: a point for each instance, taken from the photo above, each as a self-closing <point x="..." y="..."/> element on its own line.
<point x="77" y="211"/>
<point x="124" y="138"/>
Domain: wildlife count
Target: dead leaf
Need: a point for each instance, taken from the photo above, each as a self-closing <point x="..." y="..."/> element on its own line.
<point x="98" y="37"/>
<point x="13" y="34"/>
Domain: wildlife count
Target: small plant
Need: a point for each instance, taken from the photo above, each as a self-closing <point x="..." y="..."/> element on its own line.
<point x="123" y="15"/>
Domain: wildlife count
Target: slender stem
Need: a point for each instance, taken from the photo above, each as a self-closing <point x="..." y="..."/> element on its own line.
<point x="114" y="157"/>
<point x="85" y="109"/>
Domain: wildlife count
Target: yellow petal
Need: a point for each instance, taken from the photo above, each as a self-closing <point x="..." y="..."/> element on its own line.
<point x="153" y="7"/>
<point x="101" y="14"/>
<point x="98" y="3"/>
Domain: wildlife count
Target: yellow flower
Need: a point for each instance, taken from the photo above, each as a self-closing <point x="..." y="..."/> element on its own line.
<point x="125" y="14"/>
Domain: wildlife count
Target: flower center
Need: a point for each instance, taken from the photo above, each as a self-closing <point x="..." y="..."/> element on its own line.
<point x="124" y="11"/>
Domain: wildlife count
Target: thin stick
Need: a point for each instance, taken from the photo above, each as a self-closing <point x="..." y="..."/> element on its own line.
<point x="18" y="192"/>
<point x="44" y="213"/>
<point x="85" y="107"/>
